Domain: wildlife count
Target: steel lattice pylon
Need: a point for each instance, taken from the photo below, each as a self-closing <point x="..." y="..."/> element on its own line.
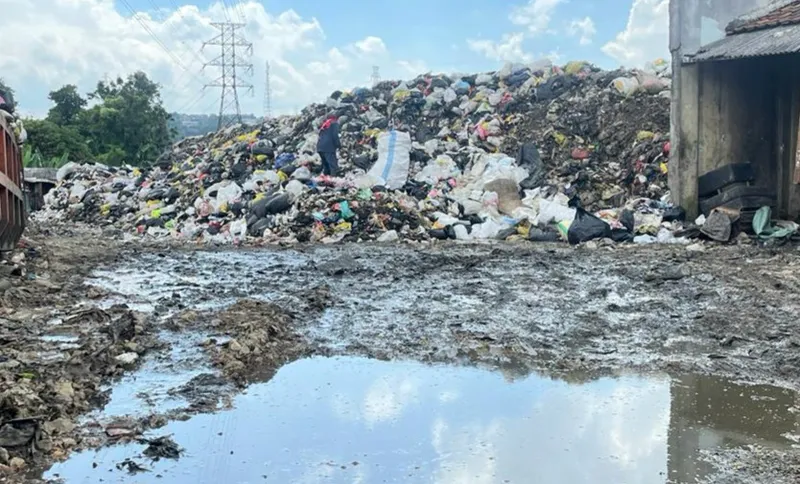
<point x="229" y="60"/>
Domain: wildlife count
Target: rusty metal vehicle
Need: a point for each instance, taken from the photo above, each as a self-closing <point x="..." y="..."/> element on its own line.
<point x="12" y="202"/>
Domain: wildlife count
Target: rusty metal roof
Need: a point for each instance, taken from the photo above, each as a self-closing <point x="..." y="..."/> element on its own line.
<point x="787" y="14"/>
<point x="756" y="43"/>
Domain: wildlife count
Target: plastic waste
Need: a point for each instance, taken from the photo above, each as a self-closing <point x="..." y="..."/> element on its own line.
<point x="626" y="86"/>
<point x="390" y="236"/>
<point x="391" y="169"/>
<point x="587" y="227"/>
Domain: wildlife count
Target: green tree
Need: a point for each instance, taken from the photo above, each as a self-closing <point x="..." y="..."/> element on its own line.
<point x="68" y="105"/>
<point x="129" y="124"/>
<point x="52" y="140"/>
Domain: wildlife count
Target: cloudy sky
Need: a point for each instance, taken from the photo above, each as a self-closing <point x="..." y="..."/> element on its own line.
<point x="313" y="47"/>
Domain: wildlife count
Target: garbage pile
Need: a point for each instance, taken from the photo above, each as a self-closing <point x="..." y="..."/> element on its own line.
<point x="534" y="151"/>
<point x="7" y="108"/>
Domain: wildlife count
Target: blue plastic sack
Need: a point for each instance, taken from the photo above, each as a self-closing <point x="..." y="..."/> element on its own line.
<point x="283" y="160"/>
<point x="461" y="87"/>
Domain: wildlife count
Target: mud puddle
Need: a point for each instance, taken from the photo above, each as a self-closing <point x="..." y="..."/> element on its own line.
<point x="360" y="420"/>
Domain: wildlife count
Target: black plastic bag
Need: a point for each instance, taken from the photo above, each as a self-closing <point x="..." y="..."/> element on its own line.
<point x="438" y="234"/>
<point x="263" y="147"/>
<point x="587" y="227"/>
<point x="363" y="161"/>
<point x="278" y="203"/>
<point x="529" y="158"/>
<point x="539" y="235"/>
<point x="627" y="220"/>
<point x="674" y="213"/>
<point x="621" y="235"/>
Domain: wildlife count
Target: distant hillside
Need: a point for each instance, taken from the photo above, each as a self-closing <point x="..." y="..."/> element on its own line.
<point x="198" y="124"/>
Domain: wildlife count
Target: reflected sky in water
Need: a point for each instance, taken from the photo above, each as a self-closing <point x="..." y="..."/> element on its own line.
<point x="352" y="420"/>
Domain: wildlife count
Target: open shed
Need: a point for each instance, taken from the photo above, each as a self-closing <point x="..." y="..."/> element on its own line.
<point x="735" y="104"/>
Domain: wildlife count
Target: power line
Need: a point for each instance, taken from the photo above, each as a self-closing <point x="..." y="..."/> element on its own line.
<point x="228" y="40"/>
<point x="195" y="77"/>
<point x="175" y="58"/>
<point x="240" y="10"/>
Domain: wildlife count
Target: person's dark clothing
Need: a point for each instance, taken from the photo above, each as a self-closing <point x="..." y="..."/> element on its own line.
<point x="330" y="165"/>
<point x="329" y="137"/>
<point x="328" y="144"/>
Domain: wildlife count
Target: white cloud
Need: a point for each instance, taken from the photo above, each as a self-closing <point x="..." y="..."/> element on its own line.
<point x="646" y="36"/>
<point x="413" y="68"/>
<point x="584" y="28"/>
<point x="48" y="43"/>
<point x="371" y="45"/>
<point x="536" y="15"/>
<point x="509" y="49"/>
<point x="387" y="398"/>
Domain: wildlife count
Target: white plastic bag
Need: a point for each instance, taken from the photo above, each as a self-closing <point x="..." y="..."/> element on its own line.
<point x="442" y="168"/>
<point x="483" y="79"/>
<point x="391" y="169"/>
<point x="553" y="211"/>
<point x="626" y="85"/>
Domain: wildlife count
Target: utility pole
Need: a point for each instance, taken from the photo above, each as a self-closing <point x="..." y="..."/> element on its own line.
<point x="228" y="40"/>
<point x="376" y="76"/>
<point x="267" y="96"/>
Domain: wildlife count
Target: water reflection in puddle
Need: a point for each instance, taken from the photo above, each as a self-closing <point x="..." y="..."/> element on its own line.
<point x="353" y="420"/>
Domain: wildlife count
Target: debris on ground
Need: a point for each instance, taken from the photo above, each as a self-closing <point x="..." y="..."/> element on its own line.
<point x="261" y="339"/>
<point x="57" y="350"/>
<point x="488" y="156"/>
<point x="131" y="466"/>
<point x="161" y="448"/>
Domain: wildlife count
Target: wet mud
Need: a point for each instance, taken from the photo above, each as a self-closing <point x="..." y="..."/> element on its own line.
<point x="711" y="334"/>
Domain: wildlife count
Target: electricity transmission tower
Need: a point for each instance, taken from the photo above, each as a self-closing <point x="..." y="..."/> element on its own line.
<point x="376" y="76"/>
<point x="267" y="96"/>
<point x="228" y="62"/>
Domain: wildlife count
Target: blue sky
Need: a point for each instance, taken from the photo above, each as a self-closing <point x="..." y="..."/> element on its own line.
<point x="436" y="30"/>
<point x="313" y="47"/>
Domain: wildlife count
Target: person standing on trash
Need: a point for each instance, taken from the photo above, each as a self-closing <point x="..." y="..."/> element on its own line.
<point x="328" y="144"/>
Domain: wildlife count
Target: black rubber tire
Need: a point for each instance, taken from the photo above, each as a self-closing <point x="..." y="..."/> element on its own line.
<point x="715" y="180"/>
<point x="740" y="197"/>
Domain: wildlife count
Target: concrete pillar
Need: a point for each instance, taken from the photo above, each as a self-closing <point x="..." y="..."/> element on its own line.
<point x="685" y="136"/>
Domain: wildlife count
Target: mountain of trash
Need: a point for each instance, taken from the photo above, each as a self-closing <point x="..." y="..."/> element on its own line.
<point x="535" y="151"/>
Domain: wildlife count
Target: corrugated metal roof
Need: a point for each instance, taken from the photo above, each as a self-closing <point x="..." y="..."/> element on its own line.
<point x="784" y="15"/>
<point x="771" y="41"/>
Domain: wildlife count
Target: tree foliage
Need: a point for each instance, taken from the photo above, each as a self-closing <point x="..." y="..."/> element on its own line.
<point x="53" y="140"/>
<point x="126" y="123"/>
<point x="68" y="105"/>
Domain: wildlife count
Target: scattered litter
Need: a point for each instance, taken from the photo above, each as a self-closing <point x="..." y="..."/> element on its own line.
<point x="161" y="448"/>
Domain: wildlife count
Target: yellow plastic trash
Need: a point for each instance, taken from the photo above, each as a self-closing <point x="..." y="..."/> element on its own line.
<point x="155" y="213"/>
<point x="644" y="135"/>
<point x="261" y="158"/>
<point x="343" y="226"/>
<point x="401" y="94"/>
<point x="574" y="67"/>
<point x="105" y="209"/>
<point x="560" y="138"/>
<point x="664" y="168"/>
<point x="283" y="176"/>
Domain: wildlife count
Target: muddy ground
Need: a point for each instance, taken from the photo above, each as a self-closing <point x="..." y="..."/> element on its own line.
<point x="238" y="315"/>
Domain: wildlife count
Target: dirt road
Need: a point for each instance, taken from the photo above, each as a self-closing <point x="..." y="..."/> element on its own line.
<point x="202" y="330"/>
